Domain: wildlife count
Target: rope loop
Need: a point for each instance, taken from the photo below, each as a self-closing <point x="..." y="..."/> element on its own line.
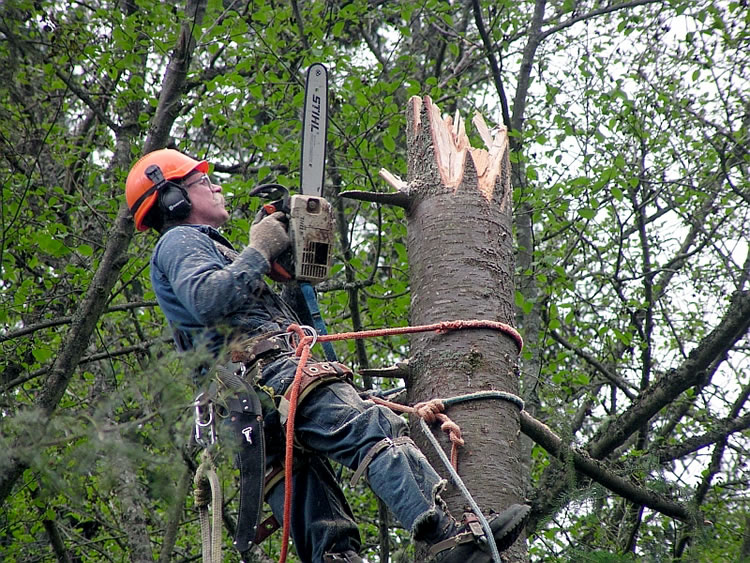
<point x="208" y="492"/>
<point x="306" y="336"/>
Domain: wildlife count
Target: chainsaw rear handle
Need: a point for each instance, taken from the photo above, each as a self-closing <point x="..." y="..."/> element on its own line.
<point x="276" y="192"/>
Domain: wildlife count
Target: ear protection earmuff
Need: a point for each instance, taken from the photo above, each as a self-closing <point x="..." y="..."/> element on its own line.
<point x="172" y="198"/>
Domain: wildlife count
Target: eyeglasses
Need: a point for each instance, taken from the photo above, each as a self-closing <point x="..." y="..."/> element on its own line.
<point x="204" y="179"/>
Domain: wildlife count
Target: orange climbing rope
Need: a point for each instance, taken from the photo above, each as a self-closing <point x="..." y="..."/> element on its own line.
<point x="429" y="410"/>
<point x="303" y="351"/>
<point x="445" y="326"/>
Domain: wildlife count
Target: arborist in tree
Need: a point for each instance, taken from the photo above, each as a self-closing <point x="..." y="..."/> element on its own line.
<point x="216" y="299"/>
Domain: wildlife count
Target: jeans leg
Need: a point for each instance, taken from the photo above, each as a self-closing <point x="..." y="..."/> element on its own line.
<point x="336" y="422"/>
<point x="321" y="520"/>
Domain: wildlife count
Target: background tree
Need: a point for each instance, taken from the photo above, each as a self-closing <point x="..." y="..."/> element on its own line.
<point x="629" y="129"/>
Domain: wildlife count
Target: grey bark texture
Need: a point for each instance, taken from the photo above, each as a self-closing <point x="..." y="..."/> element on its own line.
<point x="462" y="267"/>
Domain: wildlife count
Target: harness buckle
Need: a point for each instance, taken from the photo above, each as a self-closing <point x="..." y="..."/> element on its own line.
<point x="205" y="428"/>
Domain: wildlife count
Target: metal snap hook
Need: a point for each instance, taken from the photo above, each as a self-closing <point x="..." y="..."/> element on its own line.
<point x="307" y="331"/>
<point x="205" y="431"/>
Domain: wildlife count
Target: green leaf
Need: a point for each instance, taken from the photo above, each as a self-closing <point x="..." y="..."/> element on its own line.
<point x="389" y="143"/>
<point x="50" y="245"/>
<point x="41" y="354"/>
<point x="85" y="250"/>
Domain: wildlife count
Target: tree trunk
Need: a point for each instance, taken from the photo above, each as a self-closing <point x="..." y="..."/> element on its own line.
<point x="462" y="267"/>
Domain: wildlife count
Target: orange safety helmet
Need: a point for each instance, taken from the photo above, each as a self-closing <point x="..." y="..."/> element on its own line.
<point x="140" y="191"/>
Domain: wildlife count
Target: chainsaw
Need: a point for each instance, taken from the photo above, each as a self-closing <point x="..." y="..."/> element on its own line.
<point x="310" y="216"/>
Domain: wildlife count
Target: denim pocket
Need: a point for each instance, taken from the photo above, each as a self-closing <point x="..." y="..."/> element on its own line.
<point x="333" y="406"/>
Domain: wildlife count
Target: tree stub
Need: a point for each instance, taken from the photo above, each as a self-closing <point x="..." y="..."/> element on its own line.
<point x="461" y="266"/>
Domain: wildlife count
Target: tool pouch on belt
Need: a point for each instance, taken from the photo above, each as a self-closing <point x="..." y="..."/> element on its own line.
<point x="313" y="375"/>
<point x="246" y="422"/>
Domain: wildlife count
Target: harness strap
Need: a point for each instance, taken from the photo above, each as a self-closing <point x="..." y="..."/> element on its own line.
<point x="313" y="376"/>
<point x="270" y="524"/>
<point x="474" y="532"/>
<point x="266" y="528"/>
<point x="374" y="451"/>
<point x="250" y="350"/>
<point x="311" y="302"/>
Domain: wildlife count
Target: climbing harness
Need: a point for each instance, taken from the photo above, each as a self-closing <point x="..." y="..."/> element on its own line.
<point x="301" y="339"/>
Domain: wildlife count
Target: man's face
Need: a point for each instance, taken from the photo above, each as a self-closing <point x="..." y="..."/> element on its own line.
<point x="208" y="202"/>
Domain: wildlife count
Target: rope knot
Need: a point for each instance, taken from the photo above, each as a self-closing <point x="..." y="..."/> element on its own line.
<point x="453" y="430"/>
<point x="202" y="492"/>
<point x="429" y="410"/>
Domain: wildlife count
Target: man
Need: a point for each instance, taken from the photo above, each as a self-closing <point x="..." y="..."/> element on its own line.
<point x="213" y="296"/>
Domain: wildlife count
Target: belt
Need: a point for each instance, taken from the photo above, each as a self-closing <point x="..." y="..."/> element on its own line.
<point x="250" y="350"/>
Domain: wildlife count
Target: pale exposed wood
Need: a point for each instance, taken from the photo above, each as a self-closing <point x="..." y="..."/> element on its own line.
<point x="489" y="162"/>
<point x="451" y="144"/>
<point x="394" y="181"/>
<point x="483" y="130"/>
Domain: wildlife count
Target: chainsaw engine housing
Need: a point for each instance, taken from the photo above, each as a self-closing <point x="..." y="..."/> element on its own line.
<point x="311" y="225"/>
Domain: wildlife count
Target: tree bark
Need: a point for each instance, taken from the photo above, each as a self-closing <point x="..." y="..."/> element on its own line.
<point x="461" y="267"/>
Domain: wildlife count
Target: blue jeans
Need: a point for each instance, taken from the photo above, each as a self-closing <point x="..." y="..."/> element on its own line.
<point x="335" y="423"/>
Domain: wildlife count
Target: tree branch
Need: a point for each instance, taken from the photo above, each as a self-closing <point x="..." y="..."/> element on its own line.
<point x="86" y="99"/>
<point x="497" y="77"/>
<point x="398" y="199"/>
<point x="724" y="428"/>
<point x="593" y="14"/>
<point x="613" y="378"/>
<point x="597" y="471"/>
<point x="142" y="347"/>
<point x="524" y="77"/>
<point x="67" y="320"/>
<point x="733" y="326"/>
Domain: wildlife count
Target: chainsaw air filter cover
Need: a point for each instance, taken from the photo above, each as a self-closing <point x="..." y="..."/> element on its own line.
<point x="311" y="228"/>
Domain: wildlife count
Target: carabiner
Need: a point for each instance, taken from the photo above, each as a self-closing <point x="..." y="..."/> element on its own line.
<point x="204" y="421"/>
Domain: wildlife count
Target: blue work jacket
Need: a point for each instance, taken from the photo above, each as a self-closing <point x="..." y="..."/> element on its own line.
<point x="209" y="299"/>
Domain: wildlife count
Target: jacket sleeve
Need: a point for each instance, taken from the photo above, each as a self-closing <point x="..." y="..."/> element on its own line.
<point x="203" y="282"/>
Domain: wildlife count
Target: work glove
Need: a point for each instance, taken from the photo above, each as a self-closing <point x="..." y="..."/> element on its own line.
<point x="269" y="235"/>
